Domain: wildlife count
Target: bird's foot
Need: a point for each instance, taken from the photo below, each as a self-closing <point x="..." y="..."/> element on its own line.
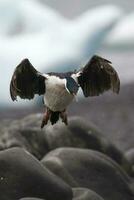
<point x="63" y="116"/>
<point x="45" y="119"/>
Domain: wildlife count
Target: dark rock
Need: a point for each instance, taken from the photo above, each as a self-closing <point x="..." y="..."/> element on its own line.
<point x="78" y="194"/>
<point x="26" y="133"/>
<point x="90" y="169"/>
<point x="85" y="194"/>
<point x="130" y="155"/>
<point x="95" y="140"/>
<point x="81" y="134"/>
<point x="30" y="198"/>
<point x="21" y="175"/>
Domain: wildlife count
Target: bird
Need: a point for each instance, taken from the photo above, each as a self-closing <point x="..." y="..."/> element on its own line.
<point x="59" y="89"/>
<point x="76" y="44"/>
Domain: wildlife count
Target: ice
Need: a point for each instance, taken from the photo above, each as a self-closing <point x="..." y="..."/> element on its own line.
<point x="122" y="34"/>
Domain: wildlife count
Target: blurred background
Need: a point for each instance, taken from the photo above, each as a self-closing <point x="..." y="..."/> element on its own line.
<point x="60" y="35"/>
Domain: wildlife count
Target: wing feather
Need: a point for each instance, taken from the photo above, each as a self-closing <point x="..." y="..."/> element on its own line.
<point x="26" y="81"/>
<point x="97" y="77"/>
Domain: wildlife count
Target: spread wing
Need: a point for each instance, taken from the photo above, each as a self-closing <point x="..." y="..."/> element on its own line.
<point x="97" y="77"/>
<point x="26" y="81"/>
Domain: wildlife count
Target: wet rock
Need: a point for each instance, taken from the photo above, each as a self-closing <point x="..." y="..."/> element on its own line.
<point x="30" y="198"/>
<point x="81" y="134"/>
<point x="130" y="155"/>
<point x="78" y="194"/>
<point x="26" y="133"/>
<point x="95" y="140"/>
<point x="21" y="175"/>
<point x="85" y="194"/>
<point x="90" y="169"/>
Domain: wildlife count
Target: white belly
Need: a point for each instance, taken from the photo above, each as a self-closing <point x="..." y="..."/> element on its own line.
<point x="56" y="97"/>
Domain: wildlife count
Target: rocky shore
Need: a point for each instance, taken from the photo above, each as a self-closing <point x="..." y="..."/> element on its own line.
<point x="90" y="159"/>
<point x="61" y="162"/>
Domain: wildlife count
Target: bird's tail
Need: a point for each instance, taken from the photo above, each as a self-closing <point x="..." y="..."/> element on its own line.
<point x="54" y="117"/>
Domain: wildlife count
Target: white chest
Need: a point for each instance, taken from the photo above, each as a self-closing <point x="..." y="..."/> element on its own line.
<point x="56" y="97"/>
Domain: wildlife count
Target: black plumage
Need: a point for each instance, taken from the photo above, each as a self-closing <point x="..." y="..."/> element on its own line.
<point x="26" y="81"/>
<point x="54" y="117"/>
<point x="98" y="76"/>
<point x="59" y="89"/>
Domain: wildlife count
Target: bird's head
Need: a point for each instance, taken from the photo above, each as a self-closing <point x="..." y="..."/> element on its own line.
<point x="71" y="85"/>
